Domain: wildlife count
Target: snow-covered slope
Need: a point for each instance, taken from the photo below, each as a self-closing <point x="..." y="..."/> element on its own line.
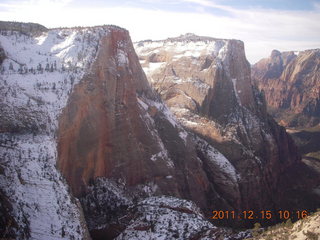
<point x="39" y="73"/>
<point x="165" y="218"/>
<point x="37" y="76"/>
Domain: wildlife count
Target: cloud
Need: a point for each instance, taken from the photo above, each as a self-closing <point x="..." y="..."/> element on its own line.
<point x="261" y="30"/>
<point x="211" y="4"/>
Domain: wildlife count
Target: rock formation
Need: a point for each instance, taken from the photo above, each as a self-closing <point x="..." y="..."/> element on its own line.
<point x="114" y="127"/>
<point x="78" y="111"/>
<point x="306" y="228"/>
<point x="206" y="83"/>
<point x="114" y="135"/>
<point x="291" y="86"/>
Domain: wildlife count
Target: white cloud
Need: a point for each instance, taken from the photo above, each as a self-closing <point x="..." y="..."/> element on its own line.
<point x="261" y="30"/>
<point x="211" y="4"/>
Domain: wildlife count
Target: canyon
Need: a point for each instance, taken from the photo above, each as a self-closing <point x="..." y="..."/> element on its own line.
<point x="102" y="138"/>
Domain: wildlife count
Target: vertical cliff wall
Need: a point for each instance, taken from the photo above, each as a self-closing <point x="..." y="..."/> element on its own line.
<point x="114" y="128"/>
<point x="206" y="83"/>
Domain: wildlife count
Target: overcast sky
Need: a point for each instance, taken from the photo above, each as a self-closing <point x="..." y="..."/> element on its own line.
<point x="263" y="25"/>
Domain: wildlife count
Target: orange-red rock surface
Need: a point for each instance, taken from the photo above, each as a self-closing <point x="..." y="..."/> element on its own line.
<point x="291" y="86"/>
<point x="105" y="130"/>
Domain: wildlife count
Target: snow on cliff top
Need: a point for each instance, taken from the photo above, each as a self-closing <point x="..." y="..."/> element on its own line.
<point x="188" y="45"/>
<point x="36" y="78"/>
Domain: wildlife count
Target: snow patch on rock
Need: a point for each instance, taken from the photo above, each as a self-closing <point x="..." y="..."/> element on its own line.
<point x="165" y="218"/>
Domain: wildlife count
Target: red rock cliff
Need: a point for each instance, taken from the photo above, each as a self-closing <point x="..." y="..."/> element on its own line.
<point x="291" y="86"/>
<point x="207" y="84"/>
<point x="114" y="127"/>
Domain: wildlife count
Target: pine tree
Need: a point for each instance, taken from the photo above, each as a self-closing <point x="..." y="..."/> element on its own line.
<point x="39" y="67"/>
<point x="47" y="67"/>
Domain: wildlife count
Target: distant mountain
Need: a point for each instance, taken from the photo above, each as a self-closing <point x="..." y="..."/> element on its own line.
<point x="291" y="86"/>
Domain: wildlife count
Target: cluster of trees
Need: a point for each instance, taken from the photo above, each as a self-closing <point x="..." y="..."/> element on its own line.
<point x="48" y="67"/>
<point x="24" y="28"/>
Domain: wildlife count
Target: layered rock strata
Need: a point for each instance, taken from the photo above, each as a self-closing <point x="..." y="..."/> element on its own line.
<point x="290" y="82"/>
<point x="207" y="84"/>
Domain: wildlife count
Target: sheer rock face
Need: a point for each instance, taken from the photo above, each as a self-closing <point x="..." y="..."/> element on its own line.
<point x="291" y="85"/>
<point x="114" y="127"/>
<point x="116" y="134"/>
<point x="200" y="74"/>
<point x="206" y="83"/>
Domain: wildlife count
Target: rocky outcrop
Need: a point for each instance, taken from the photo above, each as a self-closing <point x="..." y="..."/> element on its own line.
<point x="291" y="87"/>
<point x="171" y="218"/>
<point x="177" y="64"/>
<point x="206" y="82"/>
<point x="115" y="127"/>
<point x="306" y="228"/>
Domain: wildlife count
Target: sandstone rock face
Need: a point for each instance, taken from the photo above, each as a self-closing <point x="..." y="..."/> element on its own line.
<point x="92" y="114"/>
<point x="117" y="142"/>
<point x="115" y="128"/>
<point x="176" y="65"/>
<point x="206" y="83"/>
<point x="291" y="86"/>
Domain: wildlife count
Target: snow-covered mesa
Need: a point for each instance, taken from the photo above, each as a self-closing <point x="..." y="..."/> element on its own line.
<point x="155" y="55"/>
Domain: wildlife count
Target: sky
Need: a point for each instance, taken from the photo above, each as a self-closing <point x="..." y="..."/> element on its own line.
<point x="263" y="25"/>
